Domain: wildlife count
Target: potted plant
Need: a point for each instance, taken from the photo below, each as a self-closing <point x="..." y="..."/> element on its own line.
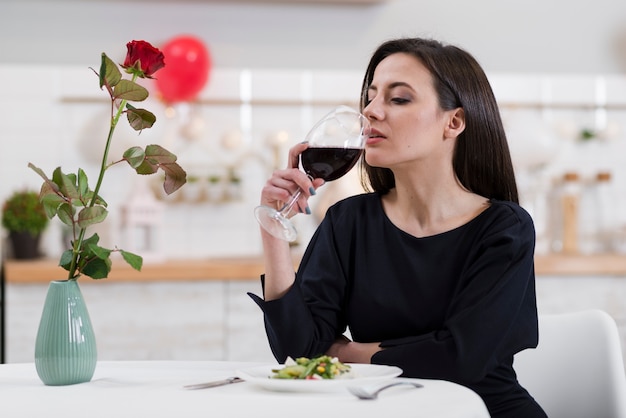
<point x="24" y="217"/>
<point x="193" y="189"/>
<point x="234" y="184"/>
<point x="65" y="347"/>
<point x="215" y="190"/>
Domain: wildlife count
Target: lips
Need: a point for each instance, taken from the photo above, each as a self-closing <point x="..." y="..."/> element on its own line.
<point x="374" y="137"/>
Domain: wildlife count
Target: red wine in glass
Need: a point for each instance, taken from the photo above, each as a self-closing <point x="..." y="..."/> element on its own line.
<point x="329" y="163"/>
<point x="335" y="144"/>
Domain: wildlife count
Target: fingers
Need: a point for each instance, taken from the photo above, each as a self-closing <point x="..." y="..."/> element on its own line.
<point x="294" y="154"/>
<point x="283" y="184"/>
<point x="317" y="183"/>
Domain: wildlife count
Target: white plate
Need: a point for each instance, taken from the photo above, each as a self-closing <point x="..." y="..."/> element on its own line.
<point x="359" y="374"/>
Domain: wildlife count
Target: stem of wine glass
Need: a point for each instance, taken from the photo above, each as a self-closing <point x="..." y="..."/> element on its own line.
<point x="284" y="211"/>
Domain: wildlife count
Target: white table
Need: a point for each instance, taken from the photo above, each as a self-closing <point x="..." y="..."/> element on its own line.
<point x="155" y="389"/>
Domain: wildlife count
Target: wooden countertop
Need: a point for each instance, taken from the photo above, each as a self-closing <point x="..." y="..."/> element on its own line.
<point x="250" y="268"/>
<point x="580" y="265"/>
<point x="239" y="268"/>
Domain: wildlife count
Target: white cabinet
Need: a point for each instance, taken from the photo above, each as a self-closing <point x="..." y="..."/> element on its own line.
<point x="195" y="320"/>
<point x="217" y="320"/>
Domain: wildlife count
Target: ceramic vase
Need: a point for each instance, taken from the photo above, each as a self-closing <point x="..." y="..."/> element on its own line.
<point x="65" y="348"/>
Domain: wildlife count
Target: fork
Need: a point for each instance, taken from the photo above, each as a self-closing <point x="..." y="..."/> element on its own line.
<point x="364" y="394"/>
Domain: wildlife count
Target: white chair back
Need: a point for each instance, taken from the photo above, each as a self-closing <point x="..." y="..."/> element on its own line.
<point x="577" y="371"/>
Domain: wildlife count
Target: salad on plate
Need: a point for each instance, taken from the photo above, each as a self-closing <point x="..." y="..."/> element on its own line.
<point x="317" y="368"/>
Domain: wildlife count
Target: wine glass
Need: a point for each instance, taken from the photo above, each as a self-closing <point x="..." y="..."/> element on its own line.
<point x="335" y="144"/>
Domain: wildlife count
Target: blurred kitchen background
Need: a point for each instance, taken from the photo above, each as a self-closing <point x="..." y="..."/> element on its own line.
<point x="558" y="72"/>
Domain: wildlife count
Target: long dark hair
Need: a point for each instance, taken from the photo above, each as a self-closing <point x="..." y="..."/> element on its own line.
<point x="481" y="159"/>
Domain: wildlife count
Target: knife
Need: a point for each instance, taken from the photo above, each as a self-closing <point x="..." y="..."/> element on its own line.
<point x="215" y="383"/>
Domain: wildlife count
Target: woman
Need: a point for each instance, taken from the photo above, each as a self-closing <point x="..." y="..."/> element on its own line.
<point x="432" y="271"/>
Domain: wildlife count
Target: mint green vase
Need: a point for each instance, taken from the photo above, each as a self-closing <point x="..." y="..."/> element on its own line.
<point x="65" y="349"/>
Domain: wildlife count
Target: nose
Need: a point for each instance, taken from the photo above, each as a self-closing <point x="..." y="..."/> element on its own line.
<point x="373" y="110"/>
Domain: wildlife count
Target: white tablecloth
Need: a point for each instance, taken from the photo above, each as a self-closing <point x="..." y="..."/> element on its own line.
<point x="155" y="389"/>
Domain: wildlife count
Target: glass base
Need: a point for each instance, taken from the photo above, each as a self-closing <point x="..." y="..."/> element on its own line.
<point x="276" y="224"/>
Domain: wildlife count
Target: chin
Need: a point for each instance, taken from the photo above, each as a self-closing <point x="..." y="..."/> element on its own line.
<point x="374" y="161"/>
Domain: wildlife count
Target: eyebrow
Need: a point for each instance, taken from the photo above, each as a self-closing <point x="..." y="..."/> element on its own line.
<point x="393" y="85"/>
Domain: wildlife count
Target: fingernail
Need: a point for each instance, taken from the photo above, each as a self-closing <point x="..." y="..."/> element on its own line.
<point x="312" y="190"/>
<point x="308" y="210"/>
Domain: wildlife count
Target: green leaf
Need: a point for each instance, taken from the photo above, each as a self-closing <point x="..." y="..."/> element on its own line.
<point x="134" y="156"/>
<point x="134" y="260"/>
<point x="110" y="74"/>
<point x="100" y="252"/>
<point x="83" y="182"/>
<point x="48" y="186"/>
<point x="66" y="259"/>
<point x="129" y="90"/>
<point x="47" y="182"/>
<point x="91" y="215"/>
<point x="65" y="212"/>
<point x="66" y="183"/>
<point x="139" y="119"/>
<point x="50" y="201"/>
<point x="158" y="157"/>
<point x="146" y="167"/>
<point x="98" y="200"/>
<point x="92" y="240"/>
<point x="155" y="157"/>
<point x="97" y="268"/>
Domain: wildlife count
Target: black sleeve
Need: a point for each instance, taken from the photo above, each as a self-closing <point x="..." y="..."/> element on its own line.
<point x="307" y="326"/>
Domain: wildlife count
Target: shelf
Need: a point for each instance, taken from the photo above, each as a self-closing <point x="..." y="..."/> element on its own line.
<point x="239" y="268"/>
<point x="250" y="268"/>
<point x="580" y="265"/>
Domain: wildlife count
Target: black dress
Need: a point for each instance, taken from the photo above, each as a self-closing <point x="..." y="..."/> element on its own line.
<point x="455" y="306"/>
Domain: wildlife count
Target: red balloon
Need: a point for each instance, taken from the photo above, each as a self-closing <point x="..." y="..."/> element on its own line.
<point x="186" y="71"/>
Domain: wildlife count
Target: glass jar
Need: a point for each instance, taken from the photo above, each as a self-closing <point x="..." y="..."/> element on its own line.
<point x="606" y="214"/>
<point x="569" y="201"/>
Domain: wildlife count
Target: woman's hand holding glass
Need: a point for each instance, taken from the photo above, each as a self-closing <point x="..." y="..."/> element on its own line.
<point x="283" y="184"/>
<point x="332" y="147"/>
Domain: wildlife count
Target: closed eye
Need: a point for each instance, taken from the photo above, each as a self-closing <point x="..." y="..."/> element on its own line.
<point x="399" y="100"/>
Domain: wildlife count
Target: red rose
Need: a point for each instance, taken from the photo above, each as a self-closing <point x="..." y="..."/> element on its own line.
<point x="143" y="59"/>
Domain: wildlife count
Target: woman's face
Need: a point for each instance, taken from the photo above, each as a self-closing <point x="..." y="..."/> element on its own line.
<point x="407" y="122"/>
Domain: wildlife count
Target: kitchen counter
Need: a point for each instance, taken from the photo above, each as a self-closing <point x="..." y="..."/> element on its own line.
<point x="210" y="296"/>
<point x="236" y="268"/>
<point x="568" y="265"/>
<point x="249" y="268"/>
